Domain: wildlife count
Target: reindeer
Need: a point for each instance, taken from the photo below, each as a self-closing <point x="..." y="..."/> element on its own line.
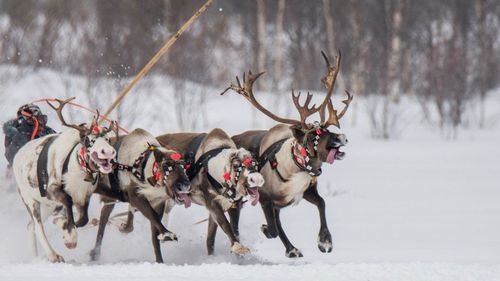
<point x="291" y="155"/>
<point x="221" y="175"/>
<point x="146" y="176"/>
<point x="62" y="170"/>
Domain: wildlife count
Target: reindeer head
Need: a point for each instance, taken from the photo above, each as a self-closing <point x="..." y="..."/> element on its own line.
<point x="314" y="143"/>
<point x="235" y="168"/>
<point x="169" y="173"/>
<point x="97" y="152"/>
<point x="247" y="177"/>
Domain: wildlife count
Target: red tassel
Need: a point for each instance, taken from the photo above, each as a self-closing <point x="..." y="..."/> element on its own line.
<point x="175" y="156"/>
<point x="96" y="130"/>
<point x="156" y="172"/>
<point x="303" y="151"/>
<point x="247" y="161"/>
<point x="227" y="176"/>
<point x="318" y="131"/>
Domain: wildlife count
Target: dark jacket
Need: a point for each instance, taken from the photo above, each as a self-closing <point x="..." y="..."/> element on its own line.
<point x="17" y="133"/>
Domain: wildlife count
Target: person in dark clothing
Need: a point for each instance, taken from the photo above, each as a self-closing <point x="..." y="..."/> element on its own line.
<point x="30" y="124"/>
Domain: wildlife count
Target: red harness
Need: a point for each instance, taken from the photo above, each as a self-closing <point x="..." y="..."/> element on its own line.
<point x="37" y="124"/>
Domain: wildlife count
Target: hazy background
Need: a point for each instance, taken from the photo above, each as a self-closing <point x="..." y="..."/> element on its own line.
<point x="444" y="55"/>
<point x="417" y="196"/>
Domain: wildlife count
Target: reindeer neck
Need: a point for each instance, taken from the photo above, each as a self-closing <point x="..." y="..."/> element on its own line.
<point x="287" y="167"/>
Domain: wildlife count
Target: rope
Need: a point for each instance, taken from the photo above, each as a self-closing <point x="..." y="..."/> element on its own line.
<point x="156" y="57"/>
<point x="81" y="107"/>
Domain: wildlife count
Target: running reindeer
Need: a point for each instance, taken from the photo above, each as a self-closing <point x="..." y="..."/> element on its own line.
<point x="290" y="157"/>
<point x="62" y="170"/>
<point x="146" y="175"/>
<point x="221" y="175"/>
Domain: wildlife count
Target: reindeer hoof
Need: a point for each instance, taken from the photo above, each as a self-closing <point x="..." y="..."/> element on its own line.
<point x="126" y="228"/>
<point x="55" y="258"/>
<point x="325" y="247"/>
<point x="82" y="222"/>
<point x="60" y="221"/>
<point x="294" y="253"/>
<point x="95" y="254"/>
<point x="239" y="249"/>
<point x="167" y="236"/>
<point x="325" y="242"/>
<point x="70" y="245"/>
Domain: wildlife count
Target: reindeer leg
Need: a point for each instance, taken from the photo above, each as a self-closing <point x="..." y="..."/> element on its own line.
<point x="234" y="218"/>
<point x="291" y="251"/>
<point x="169" y="205"/>
<point x="270" y="229"/>
<point x="35" y="212"/>
<point x="128" y="226"/>
<point x="32" y="235"/>
<point x="82" y="214"/>
<point x="31" y="231"/>
<point x="68" y="225"/>
<point x="324" y="237"/>
<point x="143" y="205"/>
<point x="155" y="233"/>
<point x="106" y="210"/>
<point x="218" y="215"/>
<point x="212" y="231"/>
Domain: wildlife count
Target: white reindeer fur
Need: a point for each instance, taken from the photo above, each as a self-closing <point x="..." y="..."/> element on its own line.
<point x="25" y="171"/>
<point x="133" y="145"/>
<point x="298" y="180"/>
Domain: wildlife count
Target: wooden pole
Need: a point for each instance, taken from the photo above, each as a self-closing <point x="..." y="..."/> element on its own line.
<point x="156" y="57"/>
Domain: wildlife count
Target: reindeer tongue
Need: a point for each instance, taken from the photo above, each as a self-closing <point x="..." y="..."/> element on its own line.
<point x="331" y="156"/>
<point x="185" y="199"/>
<point x="254" y="194"/>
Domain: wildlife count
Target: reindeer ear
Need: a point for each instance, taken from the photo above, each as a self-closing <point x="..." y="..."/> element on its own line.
<point x="233" y="154"/>
<point x="243" y="153"/>
<point x="159" y="156"/>
<point x="152" y="181"/>
<point x="297" y="132"/>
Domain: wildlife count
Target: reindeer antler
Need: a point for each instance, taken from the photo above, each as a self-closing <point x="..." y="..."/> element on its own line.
<point x="113" y="126"/>
<point x="246" y="90"/>
<point x="304" y="110"/>
<point x="58" y="109"/>
<point x="329" y="82"/>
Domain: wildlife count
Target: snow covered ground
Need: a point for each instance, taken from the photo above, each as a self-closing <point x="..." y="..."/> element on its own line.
<point x="415" y="208"/>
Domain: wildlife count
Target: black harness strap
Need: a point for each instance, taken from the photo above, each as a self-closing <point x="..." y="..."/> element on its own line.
<point x="137" y="169"/>
<point x="269" y="155"/>
<point x="113" y="176"/>
<point x="66" y="163"/>
<point x="203" y="161"/>
<point x="255" y="144"/>
<point x="193" y="146"/>
<point x="41" y="170"/>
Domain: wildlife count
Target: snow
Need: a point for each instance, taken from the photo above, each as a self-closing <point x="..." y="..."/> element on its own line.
<point x="227" y="271"/>
<point x="416" y="208"/>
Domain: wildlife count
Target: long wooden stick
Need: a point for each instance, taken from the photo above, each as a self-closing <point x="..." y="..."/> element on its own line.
<point x="158" y="55"/>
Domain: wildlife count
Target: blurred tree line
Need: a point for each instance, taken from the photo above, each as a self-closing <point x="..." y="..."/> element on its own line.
<point x="444" y="53"/>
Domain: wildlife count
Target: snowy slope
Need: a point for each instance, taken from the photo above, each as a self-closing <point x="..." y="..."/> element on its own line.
<point x="415" y="208"/>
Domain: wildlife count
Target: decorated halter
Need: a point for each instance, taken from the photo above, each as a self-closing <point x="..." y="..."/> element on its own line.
<point x="84" y="153"/>
<point x="137" y="169"/>
<point x="301" y="154"/>
<point x="168" y="166"/>
<point x="237" y="166"/>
